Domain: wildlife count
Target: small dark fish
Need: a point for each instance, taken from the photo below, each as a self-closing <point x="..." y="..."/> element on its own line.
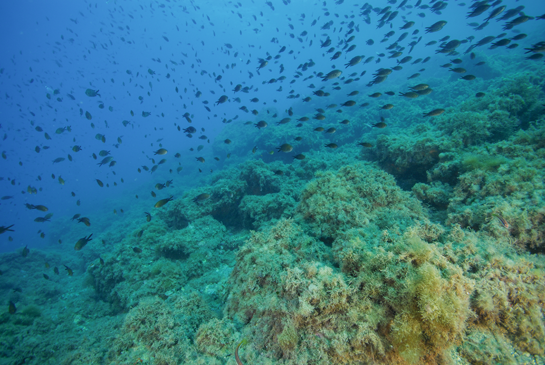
<point x="25" y="251"/>
<point x="261" y="124"/>
<point x="478" y="10"/>
<point x="100" y="183"/>
<point x="285" y="148"/>
<point x="502" y="221"/>
<point x="436" y="27"/>
<point x="12" y="308"/>
<point x="331" y="145"/>
<point x="501" y="43"/>
<point x="4" y="229"/>
<point x="201" y="197"/>
<point x="379" y="125"/>
<point x="495" y="13"/>
<point x="148" y="217"/>
<point x="137" y="250"/>
<point x="521" y="19"/>
<point x="365" y="144"/>
<point x="354" y="61"/>
<point x="434" y="113"/>
<point x="41" y="219"/>
<point x="92" y="93"/>
<point x="221" y="100"/>
<point x="407" y="25"/>
<point x="409" y="95"/>
<point x="332" y="75"/>
<point x="68" y="270"/>
<point x="425" y="91"/>
<point x="162" y="202"/>
<point x="419" y="87"/>
<point x="299" y="156"/>
<point x="536" y="56"/>
<point x="85" y="221"/>
<point x="82" y="242"/>
<point x="160" y="151"/>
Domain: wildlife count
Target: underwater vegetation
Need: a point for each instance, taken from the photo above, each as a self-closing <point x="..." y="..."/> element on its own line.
<point x="396" y="221"/>
<point x="328" y="262"/>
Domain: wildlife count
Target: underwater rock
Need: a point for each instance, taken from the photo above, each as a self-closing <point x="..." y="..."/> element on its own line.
<point x="351" y="198"/>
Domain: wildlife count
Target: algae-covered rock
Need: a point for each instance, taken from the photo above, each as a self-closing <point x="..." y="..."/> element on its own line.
<point x="351" y="197"/>
<point x="414" y="154"/>
<point x="396" y="297"/>
<point x="160" y="331"/>
<point x="167" y="263"/>
<point x="259" y="210"/>
<point x="216" y="337"/>
<point x="509" y="297"/>
<point x="436" y="194"/>
<point x="510" y="189"/>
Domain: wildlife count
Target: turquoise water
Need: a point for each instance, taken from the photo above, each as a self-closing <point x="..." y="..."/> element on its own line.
<point x="188" y="182"/>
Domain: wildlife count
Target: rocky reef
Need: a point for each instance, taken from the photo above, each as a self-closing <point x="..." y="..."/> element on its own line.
<point x="425" y="249"/>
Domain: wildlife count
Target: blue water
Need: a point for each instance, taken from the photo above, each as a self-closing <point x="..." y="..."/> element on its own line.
<point x="73" y="46"/>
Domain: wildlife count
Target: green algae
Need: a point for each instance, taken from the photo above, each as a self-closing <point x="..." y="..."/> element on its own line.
<point x="482" y="162"/>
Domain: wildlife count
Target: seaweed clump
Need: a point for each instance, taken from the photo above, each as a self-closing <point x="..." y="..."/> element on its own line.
<point x="385" y="293"/>
<point x="161" y="332"/>
<point x="507" y="184"/>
